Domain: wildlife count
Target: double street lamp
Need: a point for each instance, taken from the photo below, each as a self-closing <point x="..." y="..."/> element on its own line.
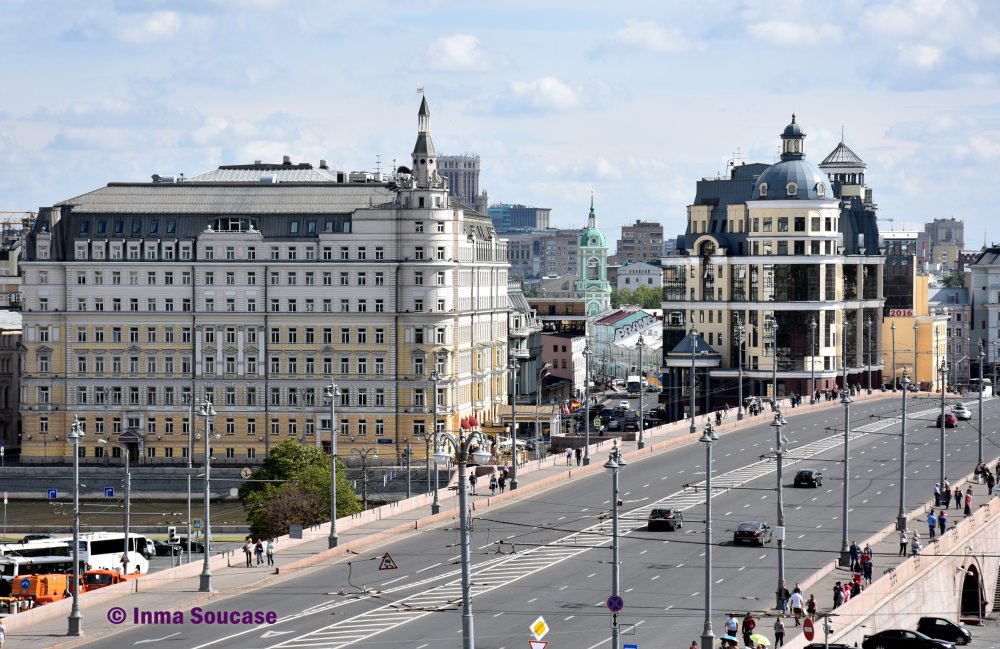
<point x="901" y="514"/>
<point x="641" y="344"/>
<point x="436" y="504"/>
<point x="331" y="394"/>
<point x="846" y="400"/>
<point x="205" y="580"/>
<point x="812" y="358"/>
<point x="470" y="445"/>
<point x="542" y="371"/>
<point x="514" y="365"/>
<point x="586" y="392"/>
<point x="75" y="617"/>
<point x="868" y="350"/>
<point x="708" y="438"/>
<point x="613" y="465"/>
<point x="771" y="328"/>
<point x="363" y="453"/>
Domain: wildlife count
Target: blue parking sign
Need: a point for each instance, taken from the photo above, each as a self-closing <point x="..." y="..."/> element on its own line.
<point x="109" y="492"/>
<point x="53" y="494"/>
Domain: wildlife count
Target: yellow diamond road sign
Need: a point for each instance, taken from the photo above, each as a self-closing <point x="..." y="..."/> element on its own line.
<point x="539" y="628"/>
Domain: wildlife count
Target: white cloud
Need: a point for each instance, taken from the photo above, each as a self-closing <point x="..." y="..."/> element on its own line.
<point x="648" y="35"/>
<point x="155" y="26"/>
<point x="782" y="32"/>
<point x="544" y="95"/>
<point x="459" y="52"/>
<point x="922" y="56"/>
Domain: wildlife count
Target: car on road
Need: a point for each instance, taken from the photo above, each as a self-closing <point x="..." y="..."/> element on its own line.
<point x="631" y="425"/>
<point x="607" y="412"/>
<point x="666" y="517"/>
<point x="961" y="412"/>
<point x="615" y="424"/>
<point x="35" y="537"/>
<point x="196" y="546"/>
<point x="903" y="639"/>
<point x="809" y="478"/>
<point x="753" y="532"/>
<point x="941" y="629"/>
<point x="950" y="420"/>
<point x="624" y="403"/>
<point x="164" y="549"/>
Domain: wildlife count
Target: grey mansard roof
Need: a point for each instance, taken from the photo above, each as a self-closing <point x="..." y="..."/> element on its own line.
<point x="231" y="198"/>
<point x="843" y="156"/>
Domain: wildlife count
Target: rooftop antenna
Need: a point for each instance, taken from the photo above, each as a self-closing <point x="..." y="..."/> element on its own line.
<point x="841" y="133"/>
<point x="420" y="90"/>
<point x="378" y="163"/>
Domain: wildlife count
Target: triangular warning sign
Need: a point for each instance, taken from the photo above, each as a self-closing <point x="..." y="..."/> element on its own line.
<point x="387" y="563"/>
<point x="538" y="644"/>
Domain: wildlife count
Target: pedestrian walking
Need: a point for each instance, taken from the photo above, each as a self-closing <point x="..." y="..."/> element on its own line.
<point x="914" y="544"/>
<point x="866" y="570"/>
<point x="903" y="542"/>
<point x="797" y="605"/>
<point x="811" y="606"/>
<point x="270" y="552"/>
<point x="947" y="494"/>
<point x="732" y="625"/>
<point x="779" y="632"/>
<point x="569" y="456"/>
<point x="749" y="624"/>
<point x="931" y="524"/>
<point x="991" y="482"/>
<point x="579" y="455"/>
<point x="694" y="644"/>
<point x="968" y="502"/>
<point x="783" y="596"/>
<point x="855" y="552"/>
<point x="493" y="485"/>
<point x="958" y="498"/>
<point x="502" y="482"/>
<point x="472" y="482"/>
<point x="258" y="550"/>
<point x="943" y="520"/>
<point x="937" y="494"/>
<point x="838" y="595"/>
<point x="248" y="552"/>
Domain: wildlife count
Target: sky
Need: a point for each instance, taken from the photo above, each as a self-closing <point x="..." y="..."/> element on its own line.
<point x="634" y="101"/>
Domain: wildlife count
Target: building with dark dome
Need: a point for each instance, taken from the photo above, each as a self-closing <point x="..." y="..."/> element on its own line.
<point x="788" y="255"/>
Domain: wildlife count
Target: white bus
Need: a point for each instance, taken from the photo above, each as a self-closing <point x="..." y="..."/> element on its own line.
<point x="13" y="567"/>
<point x="104" y="551"/>
<point x="634" y="385"/>
<point x="987" y="387"/>
<point x="61" y="547"/>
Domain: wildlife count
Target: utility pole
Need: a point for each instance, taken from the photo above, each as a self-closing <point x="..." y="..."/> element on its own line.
<point x="694" y="346"/>
<point x="944" y="378"/>
<point x="779" y="530"/>
<point x="868" y="350"/>
<point x="812" y="358"/>
<point x="436" y="505"/>
<point x="892" y="328"/>
<point x="982" y="358"/>
<point x="205" y="579"/>
<point x="845" y="398"/>
<point x="740" y="342"/>
<point x="332" y="394"/>
<point x="75" y="617"/>
<point x="642" y="375"/>
<point x="513" y="366"/>
<point x="708" y="438"/>
<point x="901" y="514"/>
<point x="586" y="405"/>
<point x="615" y="463"/>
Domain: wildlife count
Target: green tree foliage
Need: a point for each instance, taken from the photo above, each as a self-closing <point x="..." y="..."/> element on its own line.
<point x="647" y="297"/>
<point x="955" y="280"/>
<point x="299" y="493"/>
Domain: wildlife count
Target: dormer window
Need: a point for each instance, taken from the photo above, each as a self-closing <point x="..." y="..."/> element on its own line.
<point x="593" y="241"/>
<point x="820" y="190"/>
<point x="763" y="189"/>
<point x="791" y="189"/>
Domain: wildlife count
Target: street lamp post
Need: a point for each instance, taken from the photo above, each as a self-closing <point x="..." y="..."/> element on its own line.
<point x="694" y="346"/>
<point x="462" y="447"/>
<point x="538" y="402"/>
<point x="363" y="453"/>
<point x="613" y="465"/>
<point x="779" y="530"/>
<point x="708" y="438"/>
<point x="901" y="514"/>
<point x="332" y="393"/>
<point x="944" y="378"/>
<point x="514" y="365"/>
<point x="892" y="328"/>
<point x="436" y="504"/>
<point x="75" y="617"/>
<point x="868" y="350"/>
<point x="916" y="330"/>
<point x="982" y="358"/>
<point x="205" y="581"/>
<point x="406" y="454"/>
<point x="845" y="398"/>
<point x="586" y="398"/>
<point x="771" y="327"/>
<point x="642" y="374"/>
<point x="812" y="358"/>
<point x="740" y="341"/>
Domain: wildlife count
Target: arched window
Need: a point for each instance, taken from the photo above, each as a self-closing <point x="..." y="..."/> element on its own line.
<point x="593" y="269"/>
<point x="763" y="189"/>
<point x="707" y="248"/>
<point x="791" y="189"/>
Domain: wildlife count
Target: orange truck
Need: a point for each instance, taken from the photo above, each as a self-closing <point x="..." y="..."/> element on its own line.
<point x="43" y="589"/>
<point x="94" y="579"/>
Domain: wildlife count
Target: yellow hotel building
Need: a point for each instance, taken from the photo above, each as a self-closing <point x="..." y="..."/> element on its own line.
<point x="256" y="286"/>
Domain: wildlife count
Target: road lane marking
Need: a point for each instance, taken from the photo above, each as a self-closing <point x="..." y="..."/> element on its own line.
<point x="438" y="564"/>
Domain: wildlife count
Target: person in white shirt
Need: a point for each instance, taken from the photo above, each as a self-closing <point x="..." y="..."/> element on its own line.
<point x="732" y="625"/>
<point x="797" y="605"/>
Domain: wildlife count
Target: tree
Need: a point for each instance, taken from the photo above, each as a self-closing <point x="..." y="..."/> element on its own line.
<point x="646" y="297"/>
<point x="293" y="486"/>
<point x="955" y="280"/>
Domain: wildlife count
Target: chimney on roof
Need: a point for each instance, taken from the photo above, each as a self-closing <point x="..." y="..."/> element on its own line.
<point x="257" y="162"/>
<point x="286" y="160"/>
<point x="323" y="164"/>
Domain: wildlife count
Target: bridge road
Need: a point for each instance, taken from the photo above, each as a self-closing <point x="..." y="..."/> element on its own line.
<point x="662" y="573"/>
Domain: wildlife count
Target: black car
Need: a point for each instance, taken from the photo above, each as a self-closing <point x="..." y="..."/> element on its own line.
<point x="164" y="549"/>
<point x="196" y="546"/>
<point x="903" y="639"/>
<point x="942" y="629"/>
<point x="667" y="517"/>
<point x="34" y="537"/>
<point x="809" y="478"/>
<point x="753" y="532"/>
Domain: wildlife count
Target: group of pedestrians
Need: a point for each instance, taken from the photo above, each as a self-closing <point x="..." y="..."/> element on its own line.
<point x="571" y="453"/>
<point x="943" y="497"/>
<point x="498" y="480"/>
<point x="257" y="549"/>
<point x="984" y="473"/>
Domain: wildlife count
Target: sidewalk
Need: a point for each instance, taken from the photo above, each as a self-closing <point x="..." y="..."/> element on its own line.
<point x="177" y="588"/>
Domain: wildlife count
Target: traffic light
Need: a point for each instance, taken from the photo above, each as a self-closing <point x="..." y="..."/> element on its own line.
<point x="172" y="534"/>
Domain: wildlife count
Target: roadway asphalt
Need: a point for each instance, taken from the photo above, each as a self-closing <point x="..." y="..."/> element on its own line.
<point x="562" y="569"/>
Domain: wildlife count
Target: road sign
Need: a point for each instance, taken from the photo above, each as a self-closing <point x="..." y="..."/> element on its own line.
<point x="196" y="523"/>
<point x="807" y="629"/>
<point x="25" y="584"/>
<point x="52" y="494"/>
<point x="615" y="603"/>
<point x="537" y="644"/>
<point x="539" y="628"/>
<point x="630" y="646"/>
<point x="109" y="492"/>
<point x="295" y="531"/>
<point x="387" y="563"/>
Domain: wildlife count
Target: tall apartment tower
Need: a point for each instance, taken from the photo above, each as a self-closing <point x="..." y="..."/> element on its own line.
<point x="642" y="241"/>
<point x="255" y="286"/>
<point x="462" y="172"/>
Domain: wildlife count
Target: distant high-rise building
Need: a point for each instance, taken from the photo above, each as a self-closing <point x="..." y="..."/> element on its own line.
<point x="941" y="242"/>
<point x="462" y="172"/>
<point x="545" y="253"/>
<point x="642" y="241"/>
<point x="509" y="217"/>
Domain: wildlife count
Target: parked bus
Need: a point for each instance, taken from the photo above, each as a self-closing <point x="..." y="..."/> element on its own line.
<point x="987" y="387"/>
<point x="13" y="569"/>
<point x="104" y="551"/>
<point x="634" y="385"/>
<point x="61" y="546"/>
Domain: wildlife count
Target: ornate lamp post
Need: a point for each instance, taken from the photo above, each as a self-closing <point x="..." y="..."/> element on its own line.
<point x="943" y="371"/>
<point x="771" y="328"/>
<point x="868" y="351"/>
<point x="538" y="402"/>
<point x="363" y="453"/>
<point x="406" y="455"/>
<point x="779" y="530"/>
<point x="694" y="346"/>
<point x="514" y="365"/>
<point x="613" y="465"/>
<point x="205" y="581"/>
<point x="469" y="445"/>
<point x="845" y="398"/>
<point x="436" y="505"/>
<point x="641" y="344"/>
<point x="331" y="393"/>
<point x="740" y="339"/>
<point x="812" y="360"/>
<point x="892" y="328"/>
<point x="708" y="438"/>
<point x="586" y="391"/>
<point x="901" y="514"/>
<point x="75" y="617"/>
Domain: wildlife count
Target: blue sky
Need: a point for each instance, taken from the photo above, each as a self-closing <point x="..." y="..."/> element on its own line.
<point x="636" y="100"/>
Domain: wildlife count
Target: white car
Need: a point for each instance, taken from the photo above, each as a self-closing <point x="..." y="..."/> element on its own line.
<point x="624" y="403"/>
<point x="961" y="412"/>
